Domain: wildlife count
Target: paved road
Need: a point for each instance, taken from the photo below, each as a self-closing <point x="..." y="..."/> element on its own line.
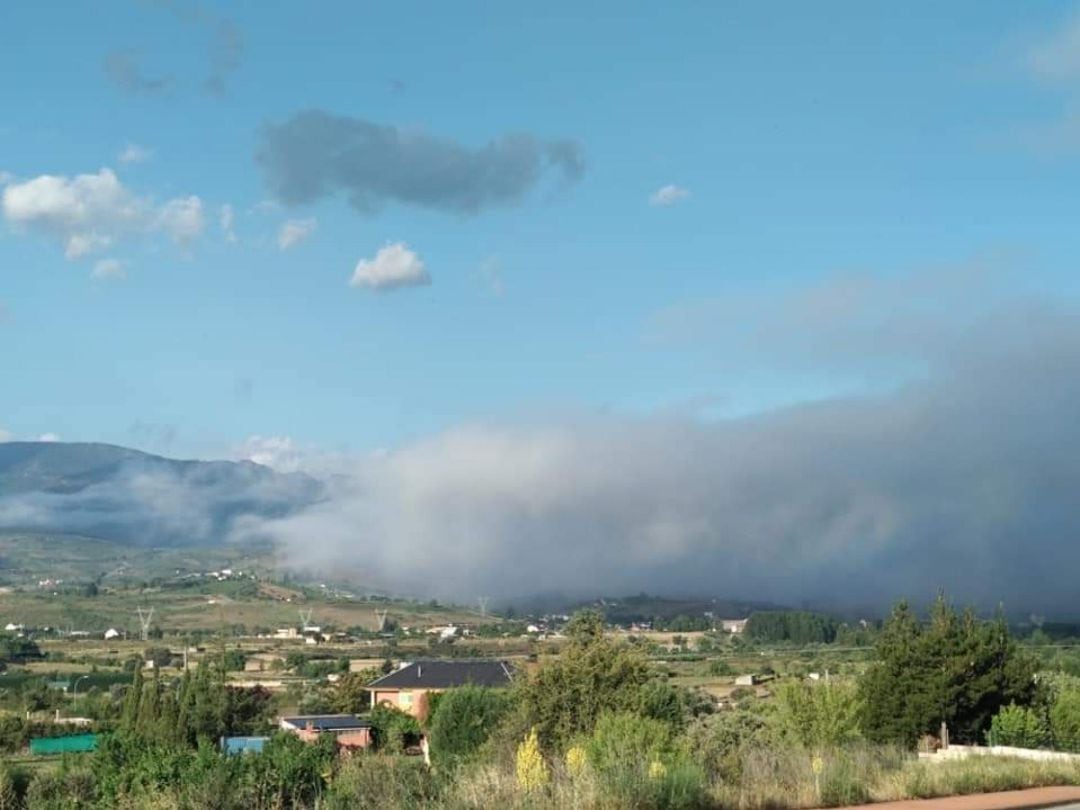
<point x="1061" y="798"/>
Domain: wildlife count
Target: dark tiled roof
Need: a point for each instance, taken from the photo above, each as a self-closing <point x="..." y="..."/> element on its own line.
<point x="328" y="722"/>
<point x="445" y="675"/>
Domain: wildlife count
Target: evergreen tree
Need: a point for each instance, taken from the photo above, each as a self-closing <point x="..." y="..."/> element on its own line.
<point x="129" y="714"/>
<point x="955" y="669"/>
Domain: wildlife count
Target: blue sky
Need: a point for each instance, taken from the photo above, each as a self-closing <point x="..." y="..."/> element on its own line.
<point x="813" y="143"/>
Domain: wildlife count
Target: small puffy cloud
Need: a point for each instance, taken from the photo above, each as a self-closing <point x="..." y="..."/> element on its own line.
<point x="133" y="153"/>
<point x="88" y="213"/>
<point x="182" y="219"/>
<point x="668" y="195"/>
<point x="227" y="221"/>
<point x="48" y="437"/>
<point x="392" y="267"/>
<point x="82" y="211"/>
<point x="108" y="270"/>
<point x="83" y="244"/>
<point x="295" y="231"/>
<point x="1058" y="56"/>
<point x="315" y="154"/>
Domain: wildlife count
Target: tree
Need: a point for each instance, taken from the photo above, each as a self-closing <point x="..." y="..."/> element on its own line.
<point x="463" y="719"/>
<point x="592" y="675"/>
<point x="799" y="627"/>
<point x="954" y="669"/>
<point x="350" y="693"/>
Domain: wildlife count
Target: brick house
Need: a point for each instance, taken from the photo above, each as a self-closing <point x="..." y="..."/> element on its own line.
<point x="407" y="688"/>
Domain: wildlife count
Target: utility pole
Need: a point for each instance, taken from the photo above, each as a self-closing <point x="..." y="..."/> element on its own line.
<point x="145" y="615"/>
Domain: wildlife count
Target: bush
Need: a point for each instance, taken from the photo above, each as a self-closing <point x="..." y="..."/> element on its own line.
<point x="638" y="764"/>
<point x="817" y="715"/>
<point x="462" y="721"/>
<point x="1017" y="726"/>
<point x="1065" y="719"/>
<point x="719" y="740"/>
<point x="393" y="728"/>
<point x="593" y="675"/>
<point x="376" y="780"/>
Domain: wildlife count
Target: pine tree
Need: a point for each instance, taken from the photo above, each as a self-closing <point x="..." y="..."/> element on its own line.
<point x="955" y="669"/>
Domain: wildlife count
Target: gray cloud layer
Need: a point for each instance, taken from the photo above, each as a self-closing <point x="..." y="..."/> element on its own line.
<point x="966" y="479"/>
<point x="315" y="154"/>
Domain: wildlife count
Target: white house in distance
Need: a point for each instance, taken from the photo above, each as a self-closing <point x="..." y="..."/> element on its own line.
<point x="733" y="626"/>
<point x="112" y="633"/>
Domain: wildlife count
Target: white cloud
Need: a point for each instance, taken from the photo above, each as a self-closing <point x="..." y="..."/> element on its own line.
<point x="392" y="267"/>
<point x="133" y="153"/>
<point x="108" y="270"/>
<point x="295" y="231"/>
<point x="88" y="213"/>
<point x="227" y="221"/>
<point x="83" y="244"/>
<point x="48" y="437"/>
<point x="5" y="436"/>
<point x="668" y="195"/>
<point x="182" y="219"/>
<point x="279" y="452"/>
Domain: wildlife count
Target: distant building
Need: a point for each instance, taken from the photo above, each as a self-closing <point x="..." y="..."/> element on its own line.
<point x="408" y="687"/>
<point x="242" y="745"/>
<point x="348" y="730"/>
<point x="746" y="680"/>
<point x="112" y="633"/>
<point x="734" y="626"/>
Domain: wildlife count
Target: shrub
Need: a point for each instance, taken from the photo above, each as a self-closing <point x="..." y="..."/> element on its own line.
<point x="463" y="720"/>
<point x="1017" y="726"/>
<point x="817" y="715"/>
<point x="377" y="780"/>
<point x="529" y="766"/>
<point x="393" y="728"/>
<point x="638" y="764"/>
<point x="1065" y="719"/>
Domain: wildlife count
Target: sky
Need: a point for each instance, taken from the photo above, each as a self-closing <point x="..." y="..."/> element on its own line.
<point x="455" y="237"/>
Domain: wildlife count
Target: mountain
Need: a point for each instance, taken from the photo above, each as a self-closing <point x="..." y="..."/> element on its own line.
<point x="122" y="494"/>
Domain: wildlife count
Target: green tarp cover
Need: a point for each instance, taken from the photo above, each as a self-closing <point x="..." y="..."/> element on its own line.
<point x="63" y="745"/>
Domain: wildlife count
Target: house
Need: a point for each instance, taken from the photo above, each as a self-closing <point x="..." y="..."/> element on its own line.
<point x="733" y="626"/>
<point x="407" y="688"/>
<point x="348" y="730"/>
<point x="746" y="680"/>
<point x="112" y="633"/>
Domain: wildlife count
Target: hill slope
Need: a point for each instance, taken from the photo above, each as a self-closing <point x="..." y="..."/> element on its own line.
<point x="122" y="494"/>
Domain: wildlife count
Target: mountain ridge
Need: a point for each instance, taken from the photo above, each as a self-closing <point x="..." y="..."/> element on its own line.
<point x="124" y="494"/>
